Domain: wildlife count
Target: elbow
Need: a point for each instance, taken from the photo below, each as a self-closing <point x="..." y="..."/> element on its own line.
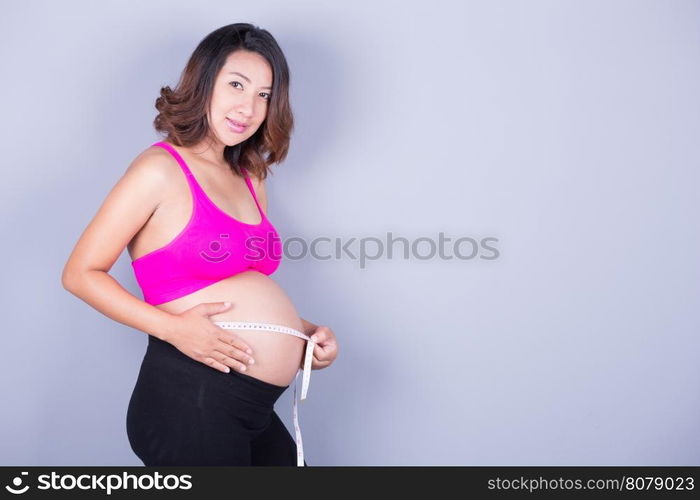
<point x="68" y="279"/>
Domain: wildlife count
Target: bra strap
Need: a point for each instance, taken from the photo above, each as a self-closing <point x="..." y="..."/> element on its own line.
<point x="250" y="186"/>
<point x="177" y="156"/>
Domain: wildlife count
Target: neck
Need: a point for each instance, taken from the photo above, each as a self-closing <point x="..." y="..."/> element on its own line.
<point x="210" y="151"/>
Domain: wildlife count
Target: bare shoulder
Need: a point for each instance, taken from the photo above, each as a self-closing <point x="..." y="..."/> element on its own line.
<point x="153" y="164"/>
<point x="153" y="171"/>
<point x="124" y="211"/>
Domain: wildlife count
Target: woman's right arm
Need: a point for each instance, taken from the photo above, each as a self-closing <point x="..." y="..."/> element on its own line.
<point x="127" y="207"/>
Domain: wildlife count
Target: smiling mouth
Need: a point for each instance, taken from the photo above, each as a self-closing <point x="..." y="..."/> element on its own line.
<point x="237" y="124"/>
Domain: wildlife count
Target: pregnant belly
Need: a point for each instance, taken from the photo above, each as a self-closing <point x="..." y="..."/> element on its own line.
<point x="255" y="297"/>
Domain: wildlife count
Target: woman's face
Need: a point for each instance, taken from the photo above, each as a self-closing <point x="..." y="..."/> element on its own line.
<point x="241" y="94"/>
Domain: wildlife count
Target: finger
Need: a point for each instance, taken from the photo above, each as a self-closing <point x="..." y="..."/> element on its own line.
<point x="215" y="364"/>
<point x="317" y="363"/>
<point x="233" y="340"/>
<point x="212" y="308"/>
<point x="320" y="335"/>
<point x="234" y="353"/>
<point x="323" y="350"/>
<point x="228" y="361"/>
<point x="319" y="354"/>
<point x="322" y="359"/>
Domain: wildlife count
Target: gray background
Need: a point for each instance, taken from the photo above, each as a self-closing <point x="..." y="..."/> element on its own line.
<point x="566" y="129"/>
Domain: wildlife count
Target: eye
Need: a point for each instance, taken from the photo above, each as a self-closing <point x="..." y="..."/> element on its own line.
<point x="233" y="84"/>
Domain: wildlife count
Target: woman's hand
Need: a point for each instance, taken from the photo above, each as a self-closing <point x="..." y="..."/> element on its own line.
<point x="326" y="348"/>
<point x="196" y="336"/>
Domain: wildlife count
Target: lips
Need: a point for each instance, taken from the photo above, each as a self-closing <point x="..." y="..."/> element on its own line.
<point x="237" y="124"/>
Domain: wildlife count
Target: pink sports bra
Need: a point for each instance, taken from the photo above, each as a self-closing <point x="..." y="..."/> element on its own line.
<point x="212" y="246"/>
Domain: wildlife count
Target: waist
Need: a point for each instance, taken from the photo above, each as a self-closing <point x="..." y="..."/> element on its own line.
<point x="253" y="295"/>
<point x="169" y="358"/>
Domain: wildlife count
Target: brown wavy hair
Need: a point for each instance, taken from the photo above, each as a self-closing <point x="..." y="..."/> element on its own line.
<point x="182" y="113"/>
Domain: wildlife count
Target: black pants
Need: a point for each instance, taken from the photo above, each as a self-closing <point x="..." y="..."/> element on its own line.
<point x="183" y="412"/>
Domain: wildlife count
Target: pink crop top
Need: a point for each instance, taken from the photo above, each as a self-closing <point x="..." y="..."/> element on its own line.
<point x="212" y="246"/>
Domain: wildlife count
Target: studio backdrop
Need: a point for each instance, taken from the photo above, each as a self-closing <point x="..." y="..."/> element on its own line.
<point x="492" y="204"/>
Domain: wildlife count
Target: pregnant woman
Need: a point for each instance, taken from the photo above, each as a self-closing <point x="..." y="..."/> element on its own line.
<point x="225" y="341"/>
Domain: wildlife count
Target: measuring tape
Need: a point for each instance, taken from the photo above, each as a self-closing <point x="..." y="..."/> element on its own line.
<point x="271" y="327"/>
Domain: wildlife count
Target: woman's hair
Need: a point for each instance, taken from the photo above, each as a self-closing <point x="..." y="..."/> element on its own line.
<point x="182" y="113"/>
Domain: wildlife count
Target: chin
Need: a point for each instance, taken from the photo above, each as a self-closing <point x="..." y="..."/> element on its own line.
<point x="230" y="142"/>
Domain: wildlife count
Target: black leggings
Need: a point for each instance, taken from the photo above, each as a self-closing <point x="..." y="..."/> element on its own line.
<point x="183" y="412"/>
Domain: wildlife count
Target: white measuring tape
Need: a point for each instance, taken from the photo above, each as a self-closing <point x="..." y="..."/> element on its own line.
<point x="244" y="325"/>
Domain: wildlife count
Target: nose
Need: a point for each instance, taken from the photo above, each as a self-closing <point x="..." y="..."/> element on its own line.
<point x="245" y="108"/>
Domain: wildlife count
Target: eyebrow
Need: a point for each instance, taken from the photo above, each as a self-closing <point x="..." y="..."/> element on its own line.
<point x="245" y="78"/>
